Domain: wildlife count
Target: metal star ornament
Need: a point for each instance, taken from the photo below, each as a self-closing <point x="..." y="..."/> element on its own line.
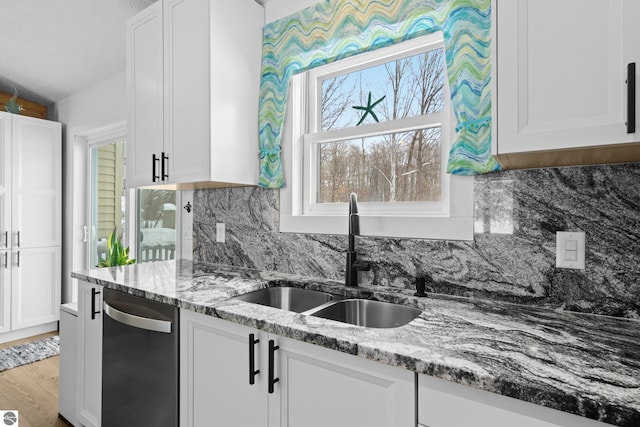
<point x="368" y="109"/>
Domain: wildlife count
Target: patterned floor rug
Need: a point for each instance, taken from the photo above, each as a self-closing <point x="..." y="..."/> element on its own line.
<point x="30" y="352"/>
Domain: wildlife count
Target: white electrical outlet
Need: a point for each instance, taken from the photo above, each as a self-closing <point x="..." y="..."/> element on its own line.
<point x="220" y="232"/>
<point x="570" y="249"/>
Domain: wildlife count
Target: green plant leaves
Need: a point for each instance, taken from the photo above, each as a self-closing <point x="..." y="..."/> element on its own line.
<point x="117" y="254"/>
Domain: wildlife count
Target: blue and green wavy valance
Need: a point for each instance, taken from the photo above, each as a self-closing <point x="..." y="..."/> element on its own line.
<point x="336" y="29"/>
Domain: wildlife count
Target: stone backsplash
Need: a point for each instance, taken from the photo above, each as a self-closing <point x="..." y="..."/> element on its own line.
<point x="512" y="257"/>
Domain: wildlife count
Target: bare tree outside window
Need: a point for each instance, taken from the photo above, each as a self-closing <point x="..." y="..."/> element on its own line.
<point x="396" y="167"/>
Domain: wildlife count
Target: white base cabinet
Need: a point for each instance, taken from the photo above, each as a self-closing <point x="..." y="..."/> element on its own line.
<point x="89" y="371"/>
<point x="68" y="380"/>
<point x="36" y="279"/>
<point x="214" y="374"/>
<point x="445" y="404"/>
<point x="312" y="386"/>
<point x="560" y="83"/>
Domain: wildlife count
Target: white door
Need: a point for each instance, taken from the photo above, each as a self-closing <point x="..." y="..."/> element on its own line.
<point x="5" y="291"/>
<point x="5" y="222"/>
<point x="108" y="198"/>
<point x="5" y="180"/>
<point x="186" y="110"/>
<point x="36" y="182"/>
<point x="89" y="403"/>
<point x="318" y="387"/>
<point x="215" y="387"/>
<point x="561" y="80"/>
<point x="35" y="289"/>
<point x="145" y="96"/>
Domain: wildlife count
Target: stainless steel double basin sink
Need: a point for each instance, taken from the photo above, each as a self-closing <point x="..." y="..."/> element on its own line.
<point x="360" y="312"/>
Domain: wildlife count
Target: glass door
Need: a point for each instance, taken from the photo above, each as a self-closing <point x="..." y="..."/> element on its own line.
<point x="107" y="196"/>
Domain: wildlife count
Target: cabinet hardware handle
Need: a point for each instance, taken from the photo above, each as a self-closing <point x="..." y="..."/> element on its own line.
<point x="165" y="174"/>
<point x="6" y="239"/>
<point x="18" y="259"/>
<point x="631" y="97"/>
<point x="155" y="160"/>
<point x="94" y="292"/>
<point x="252" y="359"/>
<point x="272" y="380"/>
<point x="6" y="260"/>
<point x="18" y="235"/>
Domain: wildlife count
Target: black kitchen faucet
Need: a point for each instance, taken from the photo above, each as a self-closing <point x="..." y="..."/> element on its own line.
<point x="353" y="265"/>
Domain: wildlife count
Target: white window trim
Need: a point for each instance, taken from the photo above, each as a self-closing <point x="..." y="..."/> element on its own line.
<point x="453" y="222"/>
<point x="95" y="139"/>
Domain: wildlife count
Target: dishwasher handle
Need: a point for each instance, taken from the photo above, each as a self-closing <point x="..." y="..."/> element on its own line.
<point x="139" y="322"/>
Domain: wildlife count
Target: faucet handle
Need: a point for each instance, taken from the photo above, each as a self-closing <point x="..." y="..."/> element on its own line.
<point x="362" y="265"/>
<point x="420" y="286"/>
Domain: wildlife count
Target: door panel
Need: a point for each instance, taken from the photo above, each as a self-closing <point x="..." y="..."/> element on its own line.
<point x="5" y="180"/>
<point x="37" y="183"/>
<point x="35" y="290"/>
<point x="144" y="88"/>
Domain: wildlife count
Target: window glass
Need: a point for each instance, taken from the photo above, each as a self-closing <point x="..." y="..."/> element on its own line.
<point x="156" y="225"/>
<point x="397" y="167"/>
<point x="401" y="88"/>
<point x="378" y="124"/>
<point x="108" y="196"/>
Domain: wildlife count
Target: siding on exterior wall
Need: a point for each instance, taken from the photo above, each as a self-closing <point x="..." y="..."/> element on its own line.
<point x="109" y="181"/>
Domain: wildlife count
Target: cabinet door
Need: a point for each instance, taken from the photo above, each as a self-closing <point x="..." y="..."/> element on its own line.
<point x="318" y="387"/>
<point x="187" y="64"/>
<point x="35" y="288"/>
<point x="440" y="403"/>
<point x="5" y="291"/>
<point x="37" y="182"/>
<point x="145" y="96"/>
<point x="89" y="403"/>
<point x="5" y="180"/>
<point x="214" y="374"/>
<point x="560" y="79"/>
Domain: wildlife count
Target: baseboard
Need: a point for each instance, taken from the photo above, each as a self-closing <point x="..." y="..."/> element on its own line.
<point x="28" y="332"/>
<point x="64" y="420"/>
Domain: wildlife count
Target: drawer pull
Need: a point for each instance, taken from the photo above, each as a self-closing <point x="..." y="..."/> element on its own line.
<point x="252" y="359"/>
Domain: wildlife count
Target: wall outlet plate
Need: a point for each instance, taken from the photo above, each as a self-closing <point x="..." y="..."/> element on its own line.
<point x="570" y="248"/>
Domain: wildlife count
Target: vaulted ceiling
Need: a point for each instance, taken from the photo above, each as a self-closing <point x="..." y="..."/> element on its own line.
<point x="53" y="48"/>
<point x="50" y="49"/>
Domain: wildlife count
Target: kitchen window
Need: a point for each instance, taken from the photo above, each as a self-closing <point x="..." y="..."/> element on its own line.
<point x="378" y="124"/>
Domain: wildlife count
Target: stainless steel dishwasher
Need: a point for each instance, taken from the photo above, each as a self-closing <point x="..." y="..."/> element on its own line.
<point x="139" y="362"/>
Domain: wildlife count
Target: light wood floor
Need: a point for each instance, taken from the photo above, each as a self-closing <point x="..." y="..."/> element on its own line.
<point x="32" y="389"/>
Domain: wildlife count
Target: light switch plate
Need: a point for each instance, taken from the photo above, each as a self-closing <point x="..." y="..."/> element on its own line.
<point x="220" y="232"/>
<point x="566" y="257"/>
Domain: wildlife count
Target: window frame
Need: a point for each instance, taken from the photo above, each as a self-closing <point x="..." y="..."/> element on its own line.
<point x="93" y="140"/>
<point x="450" y="219"/>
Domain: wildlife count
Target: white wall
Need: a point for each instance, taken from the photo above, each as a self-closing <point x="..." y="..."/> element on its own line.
<point x="81" y="114"/>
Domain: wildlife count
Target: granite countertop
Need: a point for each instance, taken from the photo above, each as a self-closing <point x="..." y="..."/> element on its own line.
<point x="582" y="364"/>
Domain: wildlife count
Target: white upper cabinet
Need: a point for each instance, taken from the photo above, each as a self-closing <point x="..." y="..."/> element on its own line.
<point x="36" y="183"/>
<point x="193" y="70"/>
<point x="30" y="182"/>
<point x="5" y="180"/>
<point x="560" y="74"/>
<point x="144" y="89"/>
